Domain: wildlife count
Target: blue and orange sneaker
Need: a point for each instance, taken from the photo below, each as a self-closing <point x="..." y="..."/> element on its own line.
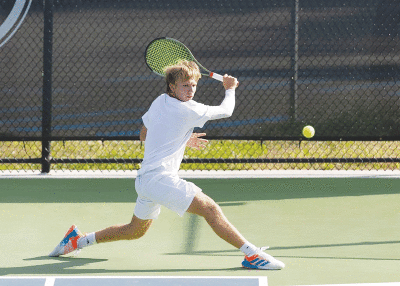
<point x="261" y="260"/>
<point x="69" y="242"/>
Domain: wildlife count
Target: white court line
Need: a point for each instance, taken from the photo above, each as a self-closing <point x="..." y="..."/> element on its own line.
<point x="207" y="174"/>
<point x="50" y="281"/>
<point x="263" y="281"/>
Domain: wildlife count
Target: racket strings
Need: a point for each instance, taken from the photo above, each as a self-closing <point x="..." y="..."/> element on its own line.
<point x="162" y="53"/>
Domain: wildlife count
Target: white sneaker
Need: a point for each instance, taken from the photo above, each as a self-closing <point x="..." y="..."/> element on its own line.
<point x="69" y="243"/>
<point x="262" y="260"/>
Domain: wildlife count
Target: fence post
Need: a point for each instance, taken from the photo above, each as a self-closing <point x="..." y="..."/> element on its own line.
<point x="47" y="83"/>
<point x="294" y="59"/>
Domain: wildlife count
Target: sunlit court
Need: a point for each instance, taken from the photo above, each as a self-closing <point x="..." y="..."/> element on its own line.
<point x="337" y="229"/>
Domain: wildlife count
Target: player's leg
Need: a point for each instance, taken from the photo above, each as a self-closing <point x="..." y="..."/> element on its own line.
<point x="75" y="240"/>
<point x="133" y="230"/>
<point x="144" y="213"/>
<point x="255" y="258"/>
<point x="204" y="206"/>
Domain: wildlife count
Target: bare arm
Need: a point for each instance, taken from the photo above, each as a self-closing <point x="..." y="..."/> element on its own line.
<point x="143" y="133"/>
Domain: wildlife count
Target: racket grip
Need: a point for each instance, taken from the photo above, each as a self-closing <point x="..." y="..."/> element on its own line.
<point x="216" y="76"/>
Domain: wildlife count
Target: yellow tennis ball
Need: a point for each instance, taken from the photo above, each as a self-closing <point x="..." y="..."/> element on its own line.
<point x="308" y="131"/>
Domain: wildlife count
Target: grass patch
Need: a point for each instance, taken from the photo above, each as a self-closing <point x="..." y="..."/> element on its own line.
<point x="223" y="149"/>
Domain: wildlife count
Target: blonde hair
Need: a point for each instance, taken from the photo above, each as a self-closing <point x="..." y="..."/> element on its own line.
<point x="182" y="71"/>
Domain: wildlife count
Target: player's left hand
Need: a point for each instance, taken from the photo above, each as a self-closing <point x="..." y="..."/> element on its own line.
<point x="196" y="142"/>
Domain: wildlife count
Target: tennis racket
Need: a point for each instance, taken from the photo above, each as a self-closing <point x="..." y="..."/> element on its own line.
<point x="164" y="52"/>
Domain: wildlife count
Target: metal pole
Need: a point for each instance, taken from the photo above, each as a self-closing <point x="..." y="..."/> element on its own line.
<point x="47" y="84"/>
<point x="294" y="59"/>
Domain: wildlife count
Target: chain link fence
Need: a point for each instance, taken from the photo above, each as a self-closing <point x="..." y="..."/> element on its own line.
<point x="74" y="83"/>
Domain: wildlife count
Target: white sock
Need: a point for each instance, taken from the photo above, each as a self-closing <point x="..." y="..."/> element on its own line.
<point x="249" y="249"/>
<point x="87" y="240"/>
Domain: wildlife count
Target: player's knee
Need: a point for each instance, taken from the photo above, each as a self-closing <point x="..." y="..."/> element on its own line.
<point x="136" y="231"/>
<point x="204" y="206"/>
<point x="211" y="208"/>
<point x="135" y="235"/>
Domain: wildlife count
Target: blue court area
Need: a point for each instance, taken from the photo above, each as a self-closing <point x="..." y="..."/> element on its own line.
<point x="134" y="281"/>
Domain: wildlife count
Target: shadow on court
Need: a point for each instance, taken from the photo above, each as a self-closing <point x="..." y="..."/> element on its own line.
<point x="369" y="243"/>
<point x="63" y="265"/>
<point x="295" y="188"/>
<point x="230" y="191"/>
<point x="69" y="266"/>
<point x="236" y="253"/>
<point x="340" y="258"/>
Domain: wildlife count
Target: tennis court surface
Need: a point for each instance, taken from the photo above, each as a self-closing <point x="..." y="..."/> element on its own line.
<point x="327" y="230"/>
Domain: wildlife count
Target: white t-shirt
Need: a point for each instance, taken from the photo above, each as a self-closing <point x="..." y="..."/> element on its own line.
<point x="170" y="123"/>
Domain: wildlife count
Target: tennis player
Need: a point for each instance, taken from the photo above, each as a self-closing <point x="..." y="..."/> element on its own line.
<point x="168" y="129"/>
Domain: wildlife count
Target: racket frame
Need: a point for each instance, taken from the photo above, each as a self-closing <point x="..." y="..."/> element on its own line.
<point x="206" y="72"/>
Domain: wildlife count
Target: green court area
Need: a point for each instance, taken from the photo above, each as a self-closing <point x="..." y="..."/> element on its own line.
<point x="326" y="230"/>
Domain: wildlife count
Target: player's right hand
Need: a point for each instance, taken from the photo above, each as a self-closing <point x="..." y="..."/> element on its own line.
<point x="230" y="82"/>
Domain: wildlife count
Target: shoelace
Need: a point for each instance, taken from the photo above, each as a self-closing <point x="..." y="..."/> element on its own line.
<point x="264" y="255"/>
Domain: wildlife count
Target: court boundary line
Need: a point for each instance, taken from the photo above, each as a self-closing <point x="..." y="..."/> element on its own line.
<point x="50" y="280"/>
<point x="263" y="280"/>
<point x="204" y="174"/>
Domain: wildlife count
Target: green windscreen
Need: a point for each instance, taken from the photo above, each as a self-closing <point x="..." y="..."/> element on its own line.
<point x="165" y="52"/>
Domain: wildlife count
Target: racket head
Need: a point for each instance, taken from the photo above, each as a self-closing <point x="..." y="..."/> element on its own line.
<point x="163" y="52"/>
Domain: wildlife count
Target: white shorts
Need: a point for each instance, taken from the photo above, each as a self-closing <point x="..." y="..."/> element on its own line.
<point x="155" y="190"/>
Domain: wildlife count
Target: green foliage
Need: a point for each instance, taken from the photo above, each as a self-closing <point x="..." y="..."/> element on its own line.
<point x="215" y="149"/>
